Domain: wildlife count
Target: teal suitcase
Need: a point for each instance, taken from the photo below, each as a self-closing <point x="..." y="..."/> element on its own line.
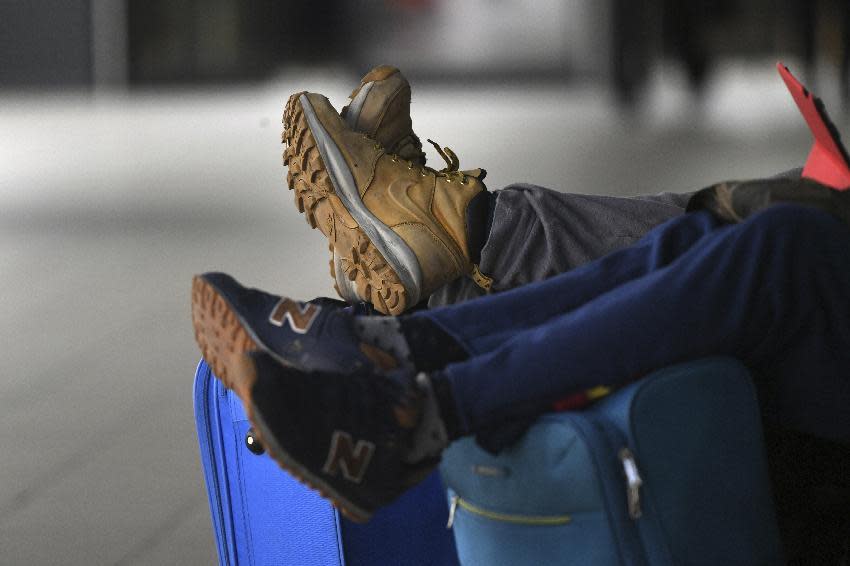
<point x="670" y="470"/>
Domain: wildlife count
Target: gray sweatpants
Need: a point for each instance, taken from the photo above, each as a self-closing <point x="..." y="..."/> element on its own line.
<point x="538" y="232"/>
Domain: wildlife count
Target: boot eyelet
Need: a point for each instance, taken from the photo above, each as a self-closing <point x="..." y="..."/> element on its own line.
<point x="253" y="444"/>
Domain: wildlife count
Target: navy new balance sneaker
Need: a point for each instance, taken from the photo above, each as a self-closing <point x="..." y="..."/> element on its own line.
<point x="345" y="435"/>
<point x="230" y="320"/>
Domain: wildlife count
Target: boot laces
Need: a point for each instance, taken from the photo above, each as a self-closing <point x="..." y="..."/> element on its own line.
<point x="450" y="171"/>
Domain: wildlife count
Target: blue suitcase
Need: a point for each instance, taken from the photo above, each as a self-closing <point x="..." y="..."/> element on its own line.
<point x="261" y="516"/>
<point x="669" y="470"/>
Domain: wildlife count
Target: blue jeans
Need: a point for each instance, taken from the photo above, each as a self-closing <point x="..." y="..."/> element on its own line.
<point x="773" y="291"/>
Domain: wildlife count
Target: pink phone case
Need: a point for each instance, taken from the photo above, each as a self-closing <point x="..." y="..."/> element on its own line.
<point x="828" y="162"/>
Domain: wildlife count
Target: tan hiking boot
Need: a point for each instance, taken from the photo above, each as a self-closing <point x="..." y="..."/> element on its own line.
<point x="380" y="108"/>
<point x="398" y="231"/>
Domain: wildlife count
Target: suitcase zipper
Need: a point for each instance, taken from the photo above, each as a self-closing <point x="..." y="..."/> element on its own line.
<point x="535" y="520"/>
<point x="633" y="482"/>
<point x="603" y="439"/>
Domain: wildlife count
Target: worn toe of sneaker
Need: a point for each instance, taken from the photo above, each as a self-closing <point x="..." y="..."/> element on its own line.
<point x="230" y="319"/>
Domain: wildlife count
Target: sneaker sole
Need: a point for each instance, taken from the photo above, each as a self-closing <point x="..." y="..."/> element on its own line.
<point x="361" y="251"/>
<point x="247" y="375"/>
<point x="221" y="334"/>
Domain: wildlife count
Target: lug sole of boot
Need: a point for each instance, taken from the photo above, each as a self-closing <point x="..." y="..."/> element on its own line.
<point x="357" y="256"/>
<point x="345" y="288"/>
<point x="219" y="333"/>
<point x="246" y="374"/>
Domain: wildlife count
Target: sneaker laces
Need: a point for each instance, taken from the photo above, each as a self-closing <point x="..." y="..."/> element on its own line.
<point x="450" y="172"/>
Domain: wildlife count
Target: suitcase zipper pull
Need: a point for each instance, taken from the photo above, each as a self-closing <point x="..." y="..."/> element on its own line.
<point x="452" y="509"/>
<point x="633" y="482"/>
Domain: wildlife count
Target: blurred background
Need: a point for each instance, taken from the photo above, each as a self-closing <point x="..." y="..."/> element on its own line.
<point x="140" y="144"/>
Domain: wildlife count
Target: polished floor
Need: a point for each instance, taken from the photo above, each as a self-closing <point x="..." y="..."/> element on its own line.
<point x="109" y="204"/>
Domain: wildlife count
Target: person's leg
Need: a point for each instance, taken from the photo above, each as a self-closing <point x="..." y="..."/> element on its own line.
<point x="561" y="231"/>
<point x="483" y="324"/>
<point x="772" y="291"/>
<point x="534" y="233"/>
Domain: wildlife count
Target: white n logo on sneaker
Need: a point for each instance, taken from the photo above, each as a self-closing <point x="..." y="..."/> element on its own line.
<point x="299" y="317"/>
<point x="347" y="457"/>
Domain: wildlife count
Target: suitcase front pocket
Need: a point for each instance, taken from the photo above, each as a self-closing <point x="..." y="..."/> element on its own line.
<point x="457" y="502"/>
<point x="490" y="537"/>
